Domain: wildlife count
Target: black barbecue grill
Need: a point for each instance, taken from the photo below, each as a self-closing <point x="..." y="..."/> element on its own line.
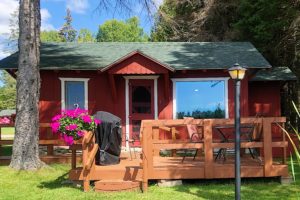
<point x="109" y="138"/>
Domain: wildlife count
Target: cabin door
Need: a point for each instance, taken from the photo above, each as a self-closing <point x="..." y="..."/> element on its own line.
<point x="141" y="106"/>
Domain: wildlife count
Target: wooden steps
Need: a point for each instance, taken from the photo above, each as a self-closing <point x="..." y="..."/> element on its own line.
<point x="112" y="172"/>
<point x="116" y="185"/>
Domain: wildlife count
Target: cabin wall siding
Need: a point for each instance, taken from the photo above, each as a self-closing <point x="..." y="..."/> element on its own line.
<point x="264" y="98"/>
<point x="255" y="97"/>
<point x="100" y="97"/>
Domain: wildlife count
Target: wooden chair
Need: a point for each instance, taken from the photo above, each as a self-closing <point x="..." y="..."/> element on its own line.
<point x="196" y="136"/>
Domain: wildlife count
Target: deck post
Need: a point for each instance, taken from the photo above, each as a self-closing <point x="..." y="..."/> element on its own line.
<point x="208" y="155"/>
<point x="147" y="150"/>
<point x="87" y="147"/>
<point x="73" y="161"/>
<point x="267" y="134"/>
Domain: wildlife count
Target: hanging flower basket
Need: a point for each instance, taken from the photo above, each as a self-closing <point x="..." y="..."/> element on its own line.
<point x="71" y="124"/>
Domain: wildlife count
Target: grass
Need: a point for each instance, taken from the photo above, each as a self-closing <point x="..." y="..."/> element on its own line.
<point x="48" y="184"/>
<point x="8" y="131"/>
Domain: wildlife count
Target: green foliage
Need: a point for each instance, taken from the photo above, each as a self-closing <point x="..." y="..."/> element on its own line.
<point x="67" y="32"/>
<point x="7" y="92"/>
<point x="295" y="147"/>
<point x="85" y="35"/>
<point x="263" y="22"/>
<point x="120" y="31"/>
<point x="206" y="114"/>
<point x="194" y="20"/>
<point x="50" y="36"/>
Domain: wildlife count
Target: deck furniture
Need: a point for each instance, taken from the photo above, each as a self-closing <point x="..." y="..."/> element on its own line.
<point x="195" y="136"/>
<point x="226" y="133"/>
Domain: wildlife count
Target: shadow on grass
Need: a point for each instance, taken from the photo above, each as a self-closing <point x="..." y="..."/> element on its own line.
<point x="224" y="188"/>
<point x="60" y="182"/>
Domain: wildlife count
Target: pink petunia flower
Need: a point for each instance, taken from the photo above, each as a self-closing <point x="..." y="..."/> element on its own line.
<point x="71" y="127"/>
<point x="55" y="126"/>
<point x="80" y="133"/>
<point x="97" y="121"/>
<point x="86" y="119"/>
<point x="68" y="139"/>
<point x="56" y="118"/>
<point x="4" y="120"/>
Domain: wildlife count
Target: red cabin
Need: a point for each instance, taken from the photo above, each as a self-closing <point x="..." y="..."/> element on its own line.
<point x="138" y="81"/>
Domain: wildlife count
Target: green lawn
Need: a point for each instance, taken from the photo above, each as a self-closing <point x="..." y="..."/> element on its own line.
<point x="8" y="131"/>
<point x="47" y="184"/>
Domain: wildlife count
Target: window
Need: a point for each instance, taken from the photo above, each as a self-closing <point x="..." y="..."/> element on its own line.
<point x="200" y="98"/>
<point x="74" y="91"/>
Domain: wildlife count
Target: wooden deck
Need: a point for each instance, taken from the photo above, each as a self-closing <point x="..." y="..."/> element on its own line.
<point x="151" y="166"/>
<point x="48" y="141"/>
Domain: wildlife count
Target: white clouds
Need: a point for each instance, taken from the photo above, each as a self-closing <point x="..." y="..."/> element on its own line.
<point x="77" y="6"/>
<point x="158" y="2"/>
<point x="7" y="7"/>
<point x="45" y="16"/>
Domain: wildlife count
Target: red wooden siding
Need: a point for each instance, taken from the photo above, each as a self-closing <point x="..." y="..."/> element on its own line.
<point x="256" y="97"/>
<point x="137" y="64"/>
<point x="264" y="98"/>
<point x="100" y="97"/>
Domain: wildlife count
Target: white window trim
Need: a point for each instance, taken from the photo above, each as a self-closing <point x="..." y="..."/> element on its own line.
<point x="225" y="79"/>
<point x="63" y="97"/>
<point x="127" y="78"/>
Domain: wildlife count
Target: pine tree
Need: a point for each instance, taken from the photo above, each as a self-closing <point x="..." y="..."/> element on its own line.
<point x="67" y="32"/>
<point x="25" y="154"/>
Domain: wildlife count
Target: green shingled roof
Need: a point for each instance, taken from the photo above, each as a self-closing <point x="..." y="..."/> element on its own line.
<point x="179" y="55"/>
<point x="275" y="74"/>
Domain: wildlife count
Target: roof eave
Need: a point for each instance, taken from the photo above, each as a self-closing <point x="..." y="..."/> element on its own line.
<point x="134" y="53"/>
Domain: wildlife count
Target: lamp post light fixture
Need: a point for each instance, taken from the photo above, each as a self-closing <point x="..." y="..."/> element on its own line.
<point x="237" y="73"/>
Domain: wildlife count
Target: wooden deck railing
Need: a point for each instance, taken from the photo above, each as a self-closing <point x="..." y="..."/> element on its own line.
<point x="46" y="139"/>
<point x="151" y="143"/>
<point x="89" y="150"/>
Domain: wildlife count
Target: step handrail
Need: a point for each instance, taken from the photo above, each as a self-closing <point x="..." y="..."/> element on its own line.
<point x="89" y="150"/>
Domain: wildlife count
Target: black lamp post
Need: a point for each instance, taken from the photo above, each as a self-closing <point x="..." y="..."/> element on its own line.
<point x="237" y="73"/>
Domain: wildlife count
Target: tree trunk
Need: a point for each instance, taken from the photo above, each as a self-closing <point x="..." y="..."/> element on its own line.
<point x="25" y="148"/>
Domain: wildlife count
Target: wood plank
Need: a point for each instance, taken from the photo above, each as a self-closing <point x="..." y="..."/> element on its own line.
<point x="45" y="125"/>
<point x="227" y="171"/>
<point x="146" y="130"/>
<point x="178" y="173"/>
<point x="91" y="157"/>
<point x="6" y="142"/>
<point x="208" y="150"/>
<point x="179" y="141"/>
<point x="280" y="144"/>
<point x="178" y="146"/>
<point x="116" y="185"/>
<point x="156" y="138"/>
<point x="267" y="140"/>
<point x="106" y="173"/>
<point x="230" y="145"/>
<point x="280" y="170"/>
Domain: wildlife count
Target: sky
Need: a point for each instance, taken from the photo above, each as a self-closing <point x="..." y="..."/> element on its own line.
<point x="84" y="12"/>
<point x="201" y="95"/>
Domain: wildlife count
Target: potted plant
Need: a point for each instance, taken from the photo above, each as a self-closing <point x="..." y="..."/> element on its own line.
<point x="72" y="124"/>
